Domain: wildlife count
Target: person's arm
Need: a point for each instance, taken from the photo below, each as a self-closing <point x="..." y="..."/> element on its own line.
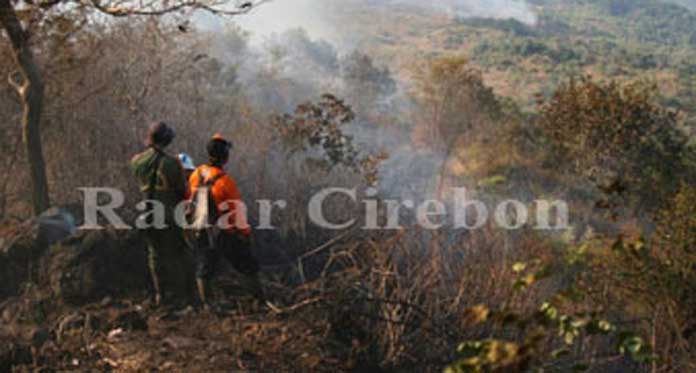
<point x="135" y="167"/>
<point x="192" y="184"/>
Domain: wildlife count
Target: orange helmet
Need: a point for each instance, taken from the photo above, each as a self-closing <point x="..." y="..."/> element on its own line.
<point x="220" y="137"/>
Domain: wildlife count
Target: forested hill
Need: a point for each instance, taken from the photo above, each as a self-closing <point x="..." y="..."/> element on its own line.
<point x="621" y="39"/>
<point x="687" y="3"/>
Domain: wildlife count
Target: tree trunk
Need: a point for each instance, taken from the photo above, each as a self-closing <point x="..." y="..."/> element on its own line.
<point x="443" y="172"/>
<point x="31" y="92"/>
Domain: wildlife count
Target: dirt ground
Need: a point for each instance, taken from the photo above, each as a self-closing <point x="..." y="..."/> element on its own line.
<point x="237" y="334"/>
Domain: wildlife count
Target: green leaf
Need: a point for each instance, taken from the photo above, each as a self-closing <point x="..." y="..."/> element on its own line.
<point x="561" y="352"/>
<point x="492" y="181"/>
<point x="524" y="282"/>
<point x="470" y="348"/>
<point x="519" y="267"/>
<point x="569" y="338"/>
<point x="634" y="347"/>
<point x="599" y="327"/>
<point x="549" y="311"/>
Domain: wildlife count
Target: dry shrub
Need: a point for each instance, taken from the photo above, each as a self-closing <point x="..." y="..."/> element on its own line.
<point x="649" y="282"/>
<point x="400" y="300"/>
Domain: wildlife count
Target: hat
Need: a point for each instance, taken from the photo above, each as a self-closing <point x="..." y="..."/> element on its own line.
<point x="160" y="134"/>
<point x="187" y="162"/>
<point x="218" y="148"/>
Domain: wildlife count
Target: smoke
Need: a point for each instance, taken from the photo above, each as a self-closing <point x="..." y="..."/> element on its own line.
<point x="296" y="51"/>
<point x="499" y="9"/>
<point x="278" y="16"/>
<point x="331" y="19"/>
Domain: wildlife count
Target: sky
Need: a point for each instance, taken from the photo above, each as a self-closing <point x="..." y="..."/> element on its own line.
<point x="277" y="16"/>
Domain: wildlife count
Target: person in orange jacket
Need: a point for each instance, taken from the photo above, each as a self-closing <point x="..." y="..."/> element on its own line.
<point x="234" y="240"/>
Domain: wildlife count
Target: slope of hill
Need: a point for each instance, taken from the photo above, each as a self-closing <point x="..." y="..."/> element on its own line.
<point x="691" y="4"/>
<point x="619" y="39"/>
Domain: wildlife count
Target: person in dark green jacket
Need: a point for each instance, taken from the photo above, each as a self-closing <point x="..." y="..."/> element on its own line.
<point x="161" y="178"/>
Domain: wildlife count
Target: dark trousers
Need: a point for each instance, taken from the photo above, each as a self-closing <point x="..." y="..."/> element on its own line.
<point x="170" y="262"/>
<point x="230" y="246"/>
<point x="237" y="251"/>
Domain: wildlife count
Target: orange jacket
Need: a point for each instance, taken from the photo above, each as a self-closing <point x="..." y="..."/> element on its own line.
<point x="223" y="191"/>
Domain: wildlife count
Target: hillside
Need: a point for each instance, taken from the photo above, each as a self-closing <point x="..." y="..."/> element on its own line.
<point x="625" y="40"/>
<point x="691" y="4"/>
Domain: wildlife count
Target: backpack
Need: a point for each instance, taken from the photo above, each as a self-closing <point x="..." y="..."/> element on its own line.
<point x="152" y="185"/>
<point x="153" y="178"/>
<point x="204" y="214"/>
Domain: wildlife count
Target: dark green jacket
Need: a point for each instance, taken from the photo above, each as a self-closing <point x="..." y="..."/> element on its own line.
<point x="170" y="187"/>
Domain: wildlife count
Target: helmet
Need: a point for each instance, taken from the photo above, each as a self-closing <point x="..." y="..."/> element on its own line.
<point x="187" y="162"/>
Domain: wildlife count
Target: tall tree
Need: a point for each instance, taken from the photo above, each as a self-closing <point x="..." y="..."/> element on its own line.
<point x="456" y="104"/>
<point x="28" y="81"/>
<point x="367" y="85"/>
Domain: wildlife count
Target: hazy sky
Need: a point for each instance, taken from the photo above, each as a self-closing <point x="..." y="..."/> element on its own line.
<point x="280" y="15"/>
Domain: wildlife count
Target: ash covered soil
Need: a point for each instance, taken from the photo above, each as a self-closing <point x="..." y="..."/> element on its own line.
<point x="82" y="304"/>
<point x="123" y="335"/>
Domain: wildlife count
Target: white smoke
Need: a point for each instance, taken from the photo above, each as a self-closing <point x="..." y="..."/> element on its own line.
<point x="498" y="9"/>
<point x="313" y="35"/>
<point x="278" y="16"/>
<point x="329" y="19"/>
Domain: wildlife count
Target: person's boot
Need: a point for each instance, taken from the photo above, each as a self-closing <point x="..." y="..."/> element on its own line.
<point x="202" y="295"/>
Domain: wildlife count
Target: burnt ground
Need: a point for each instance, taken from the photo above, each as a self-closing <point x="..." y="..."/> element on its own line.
<point x="238" y="334"/>
<point x="82" y="305"/>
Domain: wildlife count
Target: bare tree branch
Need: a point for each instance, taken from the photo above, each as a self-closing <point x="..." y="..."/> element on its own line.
<point x="119" y="9"/>
<point x="19" y="88"/>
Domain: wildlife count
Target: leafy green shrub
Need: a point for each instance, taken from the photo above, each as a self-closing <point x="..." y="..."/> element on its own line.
<point x="617" y="137"/>
<point x="549" y="338"/>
